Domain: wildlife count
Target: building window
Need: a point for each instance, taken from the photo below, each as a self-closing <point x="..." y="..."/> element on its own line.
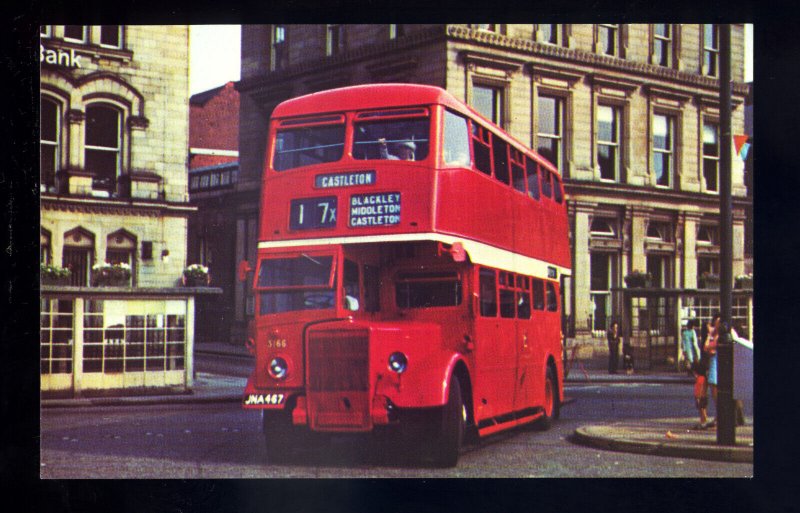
<point x="711" y="156"/>
<point x="489" y="101"/>
<point x="334" y="39"/>
<point x="602" y="228"/>
<point x="658" y="266"/>
<point x="487" y="27"/>
<point x="548" y="33"/>
<point x="45" y="31"/>
<point x="111" y="36"/>
<point x="710" y="49"/>
<point x="121" y="249"/>
<point x="658" y="232"/>
<point x="708" y="265"/>
<point x="608" y="39"/>
<point x="45" y="247"/>
<point x="75" y="33"/>
<point x="707" y="235"/>
<point x="549" y="134"/>
<point x="663" y="149"/>
<point x="78" y="255"/>
<point x="396" y="30"/>
<point x="608" y="142"/>
<point x="662" y="44"/>
<point x="103" y="146"/>
<point x="279" y="52"/>
<point x="49" y="137"/>
<point x="602" y="275"/>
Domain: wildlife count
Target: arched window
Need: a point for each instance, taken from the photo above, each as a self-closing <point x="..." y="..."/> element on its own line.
<point x="103" y="145"/>
<point x="45" y="247"/>
<point x="78" y="255"/>
<point x="121" y="249"/>
<point x="49" y="137"/>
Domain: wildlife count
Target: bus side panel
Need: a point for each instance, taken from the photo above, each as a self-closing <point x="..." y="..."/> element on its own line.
<point x="475" y="206"/>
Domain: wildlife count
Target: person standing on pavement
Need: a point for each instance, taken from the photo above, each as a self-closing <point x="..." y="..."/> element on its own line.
<point x="627" y="356"/>
<point x="700" y="393"/>
<point x="710" y="355"/>
<point x="613" y="347"/>
<point x="689" y="347"/>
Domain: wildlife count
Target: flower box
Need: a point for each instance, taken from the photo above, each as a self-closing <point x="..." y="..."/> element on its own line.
<point x="196" y="275"/>
<point x="709" y="281"/>
<point x="54" y="275"/>
<point x="638" y="279"/>
<point x="744" y="281"/>
<point x="111" y="275"/>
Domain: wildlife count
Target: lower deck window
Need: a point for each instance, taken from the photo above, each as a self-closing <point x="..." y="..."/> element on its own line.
<point x="422" y="290"/>
<point x="279" y="302"/>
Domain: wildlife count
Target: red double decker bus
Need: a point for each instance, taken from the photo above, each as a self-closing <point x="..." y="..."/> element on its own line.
<point x="409" y="273"/>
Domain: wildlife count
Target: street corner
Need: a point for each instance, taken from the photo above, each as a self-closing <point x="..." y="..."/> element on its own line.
<point x="674" y="437"/>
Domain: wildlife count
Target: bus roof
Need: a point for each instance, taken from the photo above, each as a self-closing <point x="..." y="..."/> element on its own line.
<point x="381" y="96"/>
<point x="369" y="96"/>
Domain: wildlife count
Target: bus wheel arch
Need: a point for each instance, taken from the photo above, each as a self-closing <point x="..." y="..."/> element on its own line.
<point x="461" y="373"/>
<point x="552" y="400"/>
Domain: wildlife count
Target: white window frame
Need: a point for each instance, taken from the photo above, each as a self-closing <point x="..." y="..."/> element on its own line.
<point x="119" y="137"/>
<point x="120" y="35"/>
<point x="83" y="38"/>
<point x="57" y="142"/>
<point x="277" y="39"/>
<point x="499" y="101"/>
<point x="559" y="135"/>
<point x="671" y="122"/>
<point x="668" y="42"/>
<point x="618" y="114"/>
<point x="712" y="158"/>
<point x="615" y="32"/>
<point x="334" y="45"/>
<point x="711" y="51"/>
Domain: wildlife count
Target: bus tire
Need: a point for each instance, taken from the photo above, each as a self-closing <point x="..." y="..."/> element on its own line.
<point x="279" y="436"/>
<point x="453" y="424"/>
<point x="551" y="401"/>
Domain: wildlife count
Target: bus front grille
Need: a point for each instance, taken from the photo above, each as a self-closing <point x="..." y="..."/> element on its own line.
<point x="338" y="362"/>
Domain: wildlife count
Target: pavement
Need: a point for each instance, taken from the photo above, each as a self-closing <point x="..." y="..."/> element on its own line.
<point x="672" y="436"/>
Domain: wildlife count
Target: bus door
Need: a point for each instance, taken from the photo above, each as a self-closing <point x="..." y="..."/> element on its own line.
<point x="527" y="371"/>
<point x="495" y="347"/>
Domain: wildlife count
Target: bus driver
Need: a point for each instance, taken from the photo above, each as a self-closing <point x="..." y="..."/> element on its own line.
<point x="404" y="150"/>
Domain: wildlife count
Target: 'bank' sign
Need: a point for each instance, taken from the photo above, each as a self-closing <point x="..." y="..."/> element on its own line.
<point x="59" y="57"/>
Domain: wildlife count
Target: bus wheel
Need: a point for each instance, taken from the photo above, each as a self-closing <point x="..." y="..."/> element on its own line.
<point x="551" y="401"/>
<point x="279" y="436"/>
<point x="453" y="422"/>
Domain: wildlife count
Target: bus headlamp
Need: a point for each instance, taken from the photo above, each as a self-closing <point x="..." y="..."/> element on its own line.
<point x="398" y="362"/>
<point x="278" y="368"/>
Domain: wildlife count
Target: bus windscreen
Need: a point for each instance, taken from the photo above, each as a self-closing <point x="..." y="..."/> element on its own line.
<point x="307" y="146"/>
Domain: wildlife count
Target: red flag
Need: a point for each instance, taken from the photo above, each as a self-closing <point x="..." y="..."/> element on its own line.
<point x="738" y="142"/>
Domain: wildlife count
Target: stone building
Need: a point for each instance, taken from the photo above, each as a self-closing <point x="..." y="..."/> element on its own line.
<point x="213" y="173"/>
<point x="628" y="112"/>
<point x="114" y="138"/>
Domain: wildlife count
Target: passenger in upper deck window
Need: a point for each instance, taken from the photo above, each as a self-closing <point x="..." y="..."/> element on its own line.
<point x="402" y="151"/>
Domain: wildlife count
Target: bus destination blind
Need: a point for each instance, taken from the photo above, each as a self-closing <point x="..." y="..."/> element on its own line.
<point x="377" y="209"/>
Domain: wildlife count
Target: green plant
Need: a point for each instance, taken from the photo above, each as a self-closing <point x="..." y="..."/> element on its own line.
<point x="196" y="272"/>
<point x="111" y="273"/>
<point x="744" y="281"/>
<point x="638" y="279"/>
<point x="196" y="275"/>
<point x="54" y="272"/>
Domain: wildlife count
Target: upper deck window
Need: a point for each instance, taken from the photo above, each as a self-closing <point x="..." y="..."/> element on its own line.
<point x="309" y="145"/>
<point x="392" y="134"/>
